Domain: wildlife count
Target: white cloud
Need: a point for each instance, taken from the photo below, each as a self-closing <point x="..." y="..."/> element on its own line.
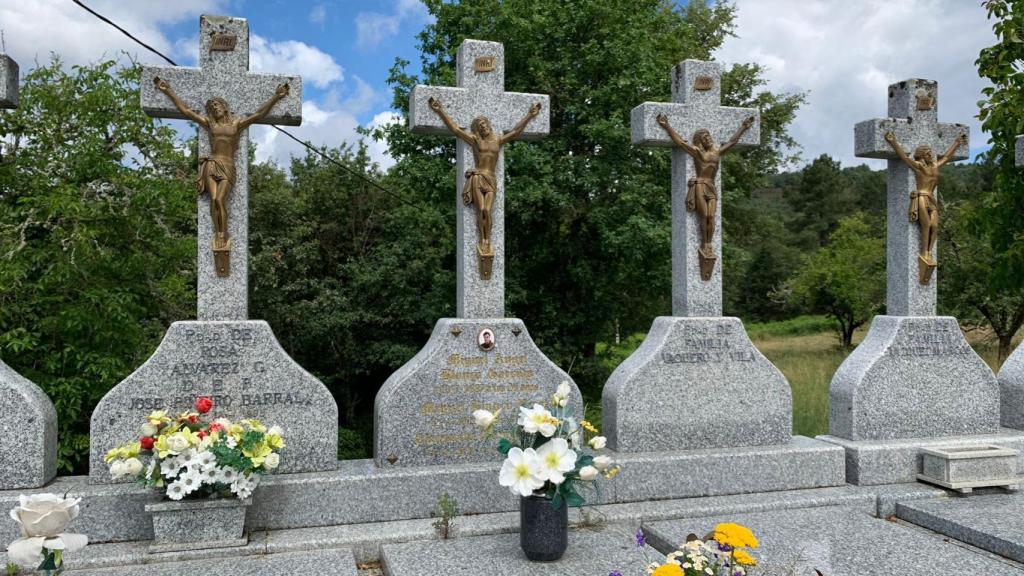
<point x="847" y="53"/>
<point x="318" y="15"/>
<point x="374" y="27"/>
<point x="294" y="57"/>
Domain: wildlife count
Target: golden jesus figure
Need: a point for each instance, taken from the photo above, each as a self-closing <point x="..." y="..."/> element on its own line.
<point x="217" y="171"/>
<point x="924" y="206"/>
<point x="701" y="195"/>
<point x="481" y="185"/>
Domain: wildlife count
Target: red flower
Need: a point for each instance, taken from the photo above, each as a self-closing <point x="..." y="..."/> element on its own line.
<point x="215" y="427"/>
<point x="193" y="419"/>
<point x="201" y="434"/>
<point x="204" y="404"/>
<point x="146" y="443"/>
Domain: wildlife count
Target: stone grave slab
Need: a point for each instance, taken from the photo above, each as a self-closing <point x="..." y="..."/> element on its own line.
<point x="838" y="541"/>
<point x="242" y="367"/>
<point x="28" y="433"/>
<point x="423" y="413"/>
<point x="990" y="521"/>
<point x="598" y="552"/>
<point x="339" y="562"/>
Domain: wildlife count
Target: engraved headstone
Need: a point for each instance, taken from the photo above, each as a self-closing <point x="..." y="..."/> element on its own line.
<point x="480" y="359"/>
<point x="235" y="361"/>
<point x="28" y="429"/>
<point x="696" y="381"/>
<point x="1011" y="375"/>
<point x="914" y="378"/>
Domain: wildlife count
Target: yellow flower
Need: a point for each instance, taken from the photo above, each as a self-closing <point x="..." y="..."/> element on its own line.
<point x="236" y="431"/>
<point x="668" y="570"/>
<point x="158" y="417"/>
<point x="612" y="473"/>
<point x="256" y="425"/>
<point x="588" y="427"/>
<point x="743" y="558"/>
<point x="274" y="441"/>
<point x="111" y="455"/>
<point x="258" y="454"/>
<point x="735" y="535"/>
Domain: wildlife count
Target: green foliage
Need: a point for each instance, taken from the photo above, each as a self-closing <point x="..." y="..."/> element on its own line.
<point x="12" y="569"/>
<point x="96" y="238"/>
<point x="799" y="326"/>
<point x="445" y="512"/>
<point x="846" y="278"/>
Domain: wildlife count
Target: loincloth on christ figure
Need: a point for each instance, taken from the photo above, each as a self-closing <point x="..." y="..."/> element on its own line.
<point x="216" y="167"/>
<point x="703" y="186"/>
<point x="477" y="181"/>
<point x="931" y="205"/>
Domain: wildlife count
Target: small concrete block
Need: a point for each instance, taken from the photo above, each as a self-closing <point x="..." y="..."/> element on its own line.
<point x="191" y="524"/>
<point x="913" y="377"/>
<point x="590" y="552"/>
<point x="969" y="466"/>
<point x="28" y="433"/>
<point x="423" y="413"/>
<point x="9" y="78"/>
<point x="242" y="367"/>
<point x="335" y="562"/>
<point x="837" y="541"/>
<point x="696" y="383"/>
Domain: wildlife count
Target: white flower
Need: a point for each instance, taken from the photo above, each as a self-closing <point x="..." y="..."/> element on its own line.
<point x="191" y="480"/>
<point x="602" y="463"/>
<point x="176" y="490"/>
<point x="272" y="461"/>
<point x="169" y="467"/>
<point x="148" y="429"/>
<point x="555" y="460"/>
<point x="598" y="442"/>
<point x="205" y="460"/>
<point x="243" y="487"/>
<point x="561" y="397"/>
<point x="231" y="442"/>
<point x="177" y="443"/>
<point x="133" y="466"/>
<point x="589" y="473"/>
<point x="537" y="419"/>
<point x="118" y="469"/>
<point x="151" y="467"/>
<point x="187" y="458"/>
<point x="521" y="472"/>
<point x="275" y="431"/>
<point x="43" y="519"/>
<point x="483" y="418"/>
<point x="228" y="475"/>
<point x="210" y="475"/>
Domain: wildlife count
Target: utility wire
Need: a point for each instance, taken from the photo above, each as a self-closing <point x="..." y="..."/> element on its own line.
<point x="305" y="144"/>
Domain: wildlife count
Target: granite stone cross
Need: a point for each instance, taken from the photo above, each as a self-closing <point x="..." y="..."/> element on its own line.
<point x="1020" y="151"/>
<point x="224" y="73"/>
<point x="913" y="119"/>
<point x="696" y="104"/>
<point x="8" y="82"/>
<point x="480" y="91"/>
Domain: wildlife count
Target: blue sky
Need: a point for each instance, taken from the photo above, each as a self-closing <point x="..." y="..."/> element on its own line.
<point x="843" y="54"/>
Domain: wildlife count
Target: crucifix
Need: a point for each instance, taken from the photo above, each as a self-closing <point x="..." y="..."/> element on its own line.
<point x="233" y="99"/>
<point x="493" y="118"/>
<point x="8" y="82"/>
<point x="696" y="179"/>
<point x="912" y="219"/>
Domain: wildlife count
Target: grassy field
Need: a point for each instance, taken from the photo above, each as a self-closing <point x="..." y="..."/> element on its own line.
<point x="808" y="354"/>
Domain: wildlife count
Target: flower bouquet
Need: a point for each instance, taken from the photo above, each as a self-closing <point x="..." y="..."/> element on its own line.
<point x="44" y="543"/>
<point x="723" y="552"/>
<point x="213" y="466"/>
<point x="547" y="463"/>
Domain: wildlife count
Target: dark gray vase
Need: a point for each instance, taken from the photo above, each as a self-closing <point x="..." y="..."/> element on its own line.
<point x="543" y="531"/>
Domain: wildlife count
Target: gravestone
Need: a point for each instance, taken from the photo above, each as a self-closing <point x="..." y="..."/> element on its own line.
<point x="914" y="380"/>
<point x="696" y="381"/>
<point x="423" y="411"/>
<point x="28" y="435"/>
<point x="235" y="361"/>
<point x="1011" y="375"/>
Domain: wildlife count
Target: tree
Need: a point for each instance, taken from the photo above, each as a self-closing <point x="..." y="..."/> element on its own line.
<point x="97" y="249"/>
<point x="822" y="197"/>
<point x="846" y="278"/>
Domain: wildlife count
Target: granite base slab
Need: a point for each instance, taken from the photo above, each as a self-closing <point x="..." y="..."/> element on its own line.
<point x="837" y="541"/>
<point x="989" y="521"/>
<point x="335" y="562"/>
<point x="590" y="552"/>
<point x="359" y="492"/>
<point x="870" y="462"/>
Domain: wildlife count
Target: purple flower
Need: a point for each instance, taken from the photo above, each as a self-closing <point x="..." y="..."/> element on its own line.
<point x="641" y="540"/>
<point x="615" y="573"/>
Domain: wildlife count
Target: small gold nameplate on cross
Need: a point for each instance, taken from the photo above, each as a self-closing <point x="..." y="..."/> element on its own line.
<point x="224" y="42"/>
<point x="703" y="83"/>
<point x="484" y="64"/>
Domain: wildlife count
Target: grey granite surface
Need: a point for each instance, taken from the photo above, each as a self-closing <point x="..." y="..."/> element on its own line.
<point x="242" y="367"/>
<point x="1011" y="389"/>
<point x="989" y="521"/>
<point x="696" y="383"/>
<point x="335" y="562"/>
<point x="690" y="110"/>
<point x="1019" y="149"/>
<point x="478" y="94"/>
<point x="423" y="413"/>
<point x="913" y="128"/>
<point x="913" y="377"/>
<point x="9" y="81"/>
<point x="28" y="433"/>
<point x="874" y="462"/>
<point x="590" y="552"/>
<point x="838" y="541"/>
<point x="190" y="524"/>
<point x="224" y="74"/>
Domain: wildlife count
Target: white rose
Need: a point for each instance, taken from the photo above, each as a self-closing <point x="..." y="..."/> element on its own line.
<point x="602" y="463"/>
<point x="272" y="461"/>
<point x="483" y="418"/>
<point x="43" y="519"/>
<point x="177" y="443"/>
<point x="117" y="469"/>
<point x="132" y="466"/>
<point x="148" y="429"/>
<point x="598" y="442"/>
<point x="588" y="473"/>
<point x="563" y="389"/>
<point x="275" y="431"/>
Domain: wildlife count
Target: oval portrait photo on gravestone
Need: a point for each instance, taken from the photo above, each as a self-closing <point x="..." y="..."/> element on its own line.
<point x="486" y="340"/>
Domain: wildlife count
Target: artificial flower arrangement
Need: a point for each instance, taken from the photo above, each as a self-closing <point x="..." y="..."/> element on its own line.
<point x="723" y="552"/>
<point x="194" y="459"/>
<point x="43" y="519"/>
<point x="546" y="453"/>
